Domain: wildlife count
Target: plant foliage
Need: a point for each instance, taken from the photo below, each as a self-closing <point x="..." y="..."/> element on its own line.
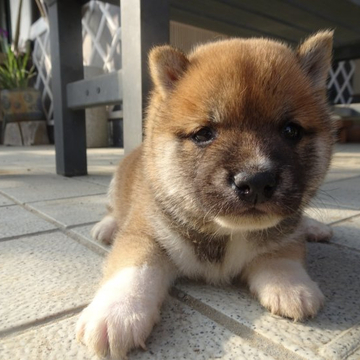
<point x="13" y="72"/>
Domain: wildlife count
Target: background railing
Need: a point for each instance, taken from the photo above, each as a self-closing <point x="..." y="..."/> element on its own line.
<point x="102" y="48"/>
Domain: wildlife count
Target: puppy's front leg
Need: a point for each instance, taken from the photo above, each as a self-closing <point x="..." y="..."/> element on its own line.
<point x="284" y="287"/>
<point x="126" y="307"/>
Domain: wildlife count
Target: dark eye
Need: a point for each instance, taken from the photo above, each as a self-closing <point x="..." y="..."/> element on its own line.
<point x="204" y="136"/>
<point x="292" y="131"/>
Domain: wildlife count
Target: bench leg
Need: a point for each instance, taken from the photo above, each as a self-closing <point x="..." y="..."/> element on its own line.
<point x="67" y="66"/>
<point x="144" y="24"/>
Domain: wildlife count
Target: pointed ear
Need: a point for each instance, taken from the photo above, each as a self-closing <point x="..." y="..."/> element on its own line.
<point x="315" y="55"/>
<point x="167" y="66"/>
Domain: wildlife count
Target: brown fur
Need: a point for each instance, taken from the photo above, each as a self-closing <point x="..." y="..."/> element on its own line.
<point x="173" y="198"/>
<point x="246" y="82"/>
<point x="255" y="89"/>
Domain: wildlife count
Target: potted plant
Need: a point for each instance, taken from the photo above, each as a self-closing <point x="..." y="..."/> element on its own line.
<point x="19" y="102"/>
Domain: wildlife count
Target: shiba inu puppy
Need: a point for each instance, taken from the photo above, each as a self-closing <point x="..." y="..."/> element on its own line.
<point x="238" y="140"/>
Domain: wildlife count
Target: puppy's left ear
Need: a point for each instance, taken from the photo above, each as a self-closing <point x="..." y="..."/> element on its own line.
<point x="167" y="66"/>
<point x="315" y="55"/>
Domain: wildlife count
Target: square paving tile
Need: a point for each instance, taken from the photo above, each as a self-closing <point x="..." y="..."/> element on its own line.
<point x="44" y="186"/>
<point x="337" y="272"/>
<point x="347" y="233"/>
<point x="15" y="221"/>
<point x="99" y="178"/>
<point x="354" y="356"/>
<point x="22" y="156"/>
<point x="43" y="275"/>
<point x="82" y="234"/>
<point x="345" y="163"/>
<point x="329" y="213"/>
<point x="4" y="201"/>
<point x="74" y="211"/>
<point x="84" y="231"/>
<point x="344" y="193"/>
<point x="54" y="341"/>
<point x="182" y="334"/>
<point x="340" y="173"/>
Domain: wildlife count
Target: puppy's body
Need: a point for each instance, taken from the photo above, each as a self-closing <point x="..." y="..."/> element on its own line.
<point x="238" y="139"/>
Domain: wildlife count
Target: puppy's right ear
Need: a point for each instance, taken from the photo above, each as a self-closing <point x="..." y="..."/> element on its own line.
<point x="167" y="65"/>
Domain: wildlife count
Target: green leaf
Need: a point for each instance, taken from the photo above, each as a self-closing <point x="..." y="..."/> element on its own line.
<point x="13" y="73"/>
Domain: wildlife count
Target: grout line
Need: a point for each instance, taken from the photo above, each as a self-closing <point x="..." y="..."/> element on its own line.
<point x="32" y="325"/>
<point x="7" y="205"/>
<point x="18" y="202"/>
<point x="92" y="181"/>
<point x="38" y="213"/>
<point x="343" y="345"/>
<point x="91" y="245"/>
<point x="22" y="236"/>
<point x="254" y="339"/>
<point x="10" y="198"/>
<point x="345" y="219"/>
<point x="65" y="198"/>
<point x="341" y="246"/>
<point x="80" y="225"/>
<point x="45" y="217"/>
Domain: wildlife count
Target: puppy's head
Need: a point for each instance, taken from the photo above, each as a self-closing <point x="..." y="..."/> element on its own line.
<point x="238" y="132"/>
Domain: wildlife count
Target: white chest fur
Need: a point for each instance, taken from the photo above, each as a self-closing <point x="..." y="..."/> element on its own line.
<point x="237" y="254"/>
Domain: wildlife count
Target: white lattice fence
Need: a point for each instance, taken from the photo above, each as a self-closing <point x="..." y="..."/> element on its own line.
<point x="101" y="46"/>
<point x="42" y="61"/>
<point x="102" y="36"/>
<point x="340" y="82"/>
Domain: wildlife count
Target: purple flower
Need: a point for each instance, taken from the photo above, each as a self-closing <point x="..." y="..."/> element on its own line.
<point x="3" y="33"/>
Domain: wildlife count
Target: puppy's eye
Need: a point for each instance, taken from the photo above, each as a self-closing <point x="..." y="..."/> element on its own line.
<point x="292" y="131"/>
<point x="204" y="136"/>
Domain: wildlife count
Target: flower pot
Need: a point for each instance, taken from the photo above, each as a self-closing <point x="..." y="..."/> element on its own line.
<point x="21" y="105"/>
<point x="23" y="118"/>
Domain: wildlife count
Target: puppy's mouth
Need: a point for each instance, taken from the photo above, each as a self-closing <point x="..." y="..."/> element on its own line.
<point x="248" y="220"/>
<point x="254" y="211"/>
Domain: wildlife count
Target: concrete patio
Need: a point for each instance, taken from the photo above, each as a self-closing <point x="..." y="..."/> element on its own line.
<point x="50" y="268"/>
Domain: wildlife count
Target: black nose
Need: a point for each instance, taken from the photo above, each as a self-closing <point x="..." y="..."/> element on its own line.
<point x="255" y="188"/>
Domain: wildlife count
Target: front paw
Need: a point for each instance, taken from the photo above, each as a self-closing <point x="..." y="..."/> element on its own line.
<point x="296" y="300"/>
<point x="117" y="321"/>
<point x="104" y="231"/>
<point x="315" y="231"/>
<point x="284" y="287"/>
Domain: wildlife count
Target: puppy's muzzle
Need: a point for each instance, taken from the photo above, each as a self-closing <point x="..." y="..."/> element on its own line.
<point x="254" y="188"/>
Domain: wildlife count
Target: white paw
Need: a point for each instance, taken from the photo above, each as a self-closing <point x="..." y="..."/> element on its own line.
<point x="122" y="314"/>
<point x="288" y="292"/>
<point x="316" y="231"/>
<point x="104" y="231"/>
<point x="295" y="301"/>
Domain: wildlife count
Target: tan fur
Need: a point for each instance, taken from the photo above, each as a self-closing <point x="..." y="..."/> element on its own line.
<point x="173" y="201"/>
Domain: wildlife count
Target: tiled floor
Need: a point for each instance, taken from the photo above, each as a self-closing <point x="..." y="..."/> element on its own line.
<point x="50" y="268"/>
